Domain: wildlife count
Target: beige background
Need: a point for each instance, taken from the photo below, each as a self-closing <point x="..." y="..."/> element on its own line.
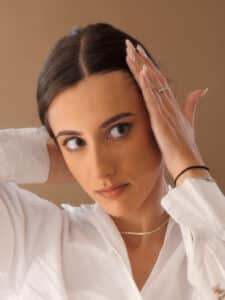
<point x="186" y="37"/>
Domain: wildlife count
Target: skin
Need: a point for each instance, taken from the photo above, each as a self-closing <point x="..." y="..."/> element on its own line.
<point x="173" y="127"/>
<point x="113" y="155"/>
<point x="161" y="136"/>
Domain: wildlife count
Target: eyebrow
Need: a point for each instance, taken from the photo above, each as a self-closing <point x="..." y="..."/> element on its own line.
<point x="103" y="125"/>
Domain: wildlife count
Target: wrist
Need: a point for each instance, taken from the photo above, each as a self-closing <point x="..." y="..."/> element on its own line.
<point x="192" y="173"/>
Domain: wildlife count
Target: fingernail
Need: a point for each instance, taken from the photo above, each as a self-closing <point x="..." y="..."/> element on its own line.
<point x="139" y="47"/>
<point x="129" y="44"/>
<point x="130" y="50"/>
<point x="204" y="92"/>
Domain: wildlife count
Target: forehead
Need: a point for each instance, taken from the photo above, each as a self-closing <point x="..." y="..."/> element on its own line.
<point x="94" y="99"/>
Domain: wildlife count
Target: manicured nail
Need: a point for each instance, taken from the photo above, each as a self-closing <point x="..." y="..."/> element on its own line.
<point x="127" y="42"/>
<point x="130" y="50"/>
<point x="130" y="45"/>
<point x="204" y="92"/>
<point x="139" y="47"/>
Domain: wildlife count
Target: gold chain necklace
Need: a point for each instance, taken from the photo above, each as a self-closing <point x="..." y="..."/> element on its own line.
<point x="148" y="232"/>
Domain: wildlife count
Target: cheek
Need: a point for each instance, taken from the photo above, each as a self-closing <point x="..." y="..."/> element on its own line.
<point x="77" y="169"/>
<point x="144" y="157"/>
<point x="144" y="153"/>
<point x="71" y="163"/>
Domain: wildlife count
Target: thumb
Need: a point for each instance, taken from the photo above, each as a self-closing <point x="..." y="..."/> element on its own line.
<point x="190" y="104"/>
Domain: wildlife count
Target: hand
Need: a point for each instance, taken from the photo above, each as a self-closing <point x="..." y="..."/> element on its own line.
<point x="173" y="128"/>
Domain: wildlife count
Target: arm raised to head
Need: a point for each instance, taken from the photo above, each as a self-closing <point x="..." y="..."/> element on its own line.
<point x="27" y="157"/>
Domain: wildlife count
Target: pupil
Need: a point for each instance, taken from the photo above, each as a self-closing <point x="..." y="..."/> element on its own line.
<point x="120" y="126"/>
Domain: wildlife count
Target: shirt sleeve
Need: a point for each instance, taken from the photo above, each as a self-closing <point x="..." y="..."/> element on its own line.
<point x="198" y="206"/>
<point x="30" y="227"/>
<point x="24" y="155"/>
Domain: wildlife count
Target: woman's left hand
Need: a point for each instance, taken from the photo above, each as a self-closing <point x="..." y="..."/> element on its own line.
<point x="173" y="128"/>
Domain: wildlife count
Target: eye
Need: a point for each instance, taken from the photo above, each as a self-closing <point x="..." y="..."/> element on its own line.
<point x="120" y="126"/>
<point x="71" y="145"/>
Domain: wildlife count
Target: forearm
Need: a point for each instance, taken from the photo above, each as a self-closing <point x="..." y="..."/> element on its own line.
<point x="26" y="157"/>
<point x="23" y="155"/>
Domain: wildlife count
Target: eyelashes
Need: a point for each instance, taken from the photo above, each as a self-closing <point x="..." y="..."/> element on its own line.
<point x="119" y="125"/>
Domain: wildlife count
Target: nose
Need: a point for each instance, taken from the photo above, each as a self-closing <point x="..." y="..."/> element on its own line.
<point x="102" y="163"/>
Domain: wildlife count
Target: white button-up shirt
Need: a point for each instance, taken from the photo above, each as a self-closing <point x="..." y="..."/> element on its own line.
<point x="77" y="252"/>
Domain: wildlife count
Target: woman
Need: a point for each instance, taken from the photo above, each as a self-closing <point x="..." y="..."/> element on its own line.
<point x="141" y="240"/>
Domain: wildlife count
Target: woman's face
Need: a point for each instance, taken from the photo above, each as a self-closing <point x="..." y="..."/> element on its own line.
<point x="111" y="154"/>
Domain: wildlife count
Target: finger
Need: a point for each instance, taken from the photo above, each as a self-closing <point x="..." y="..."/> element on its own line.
<point x="169" y="110"/>
<point x="137" y="65"/>
<point x="167" y="97"/>
<point x="164" y="98"/>
<point x="133" y="67"/>
<point x="146" y="82"/>
<point x="160" y="77"/>
<point x="155" y="81"/>
<point x="148" y="60"/>
<point x="159" y="106"/>
<point x="190" y="106"/>
<point x="141" y="58"/>
<point x="150" y="98"/>
<point x="138" y="61"/>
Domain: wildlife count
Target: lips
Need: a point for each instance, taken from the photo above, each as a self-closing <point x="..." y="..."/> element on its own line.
<point x="113" y="187"/>
<point x="116" y="192"/>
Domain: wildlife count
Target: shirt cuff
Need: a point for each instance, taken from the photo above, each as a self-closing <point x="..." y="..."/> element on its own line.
<point x="198" y="204"/>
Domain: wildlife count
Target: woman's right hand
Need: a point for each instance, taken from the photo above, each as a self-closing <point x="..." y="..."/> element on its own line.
<point x="59" y="172"/>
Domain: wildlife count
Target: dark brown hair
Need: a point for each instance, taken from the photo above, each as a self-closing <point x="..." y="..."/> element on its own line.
<point x="96" y="48"/>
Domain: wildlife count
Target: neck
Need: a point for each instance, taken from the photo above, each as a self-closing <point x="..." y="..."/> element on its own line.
<point x="146" y="218"/>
